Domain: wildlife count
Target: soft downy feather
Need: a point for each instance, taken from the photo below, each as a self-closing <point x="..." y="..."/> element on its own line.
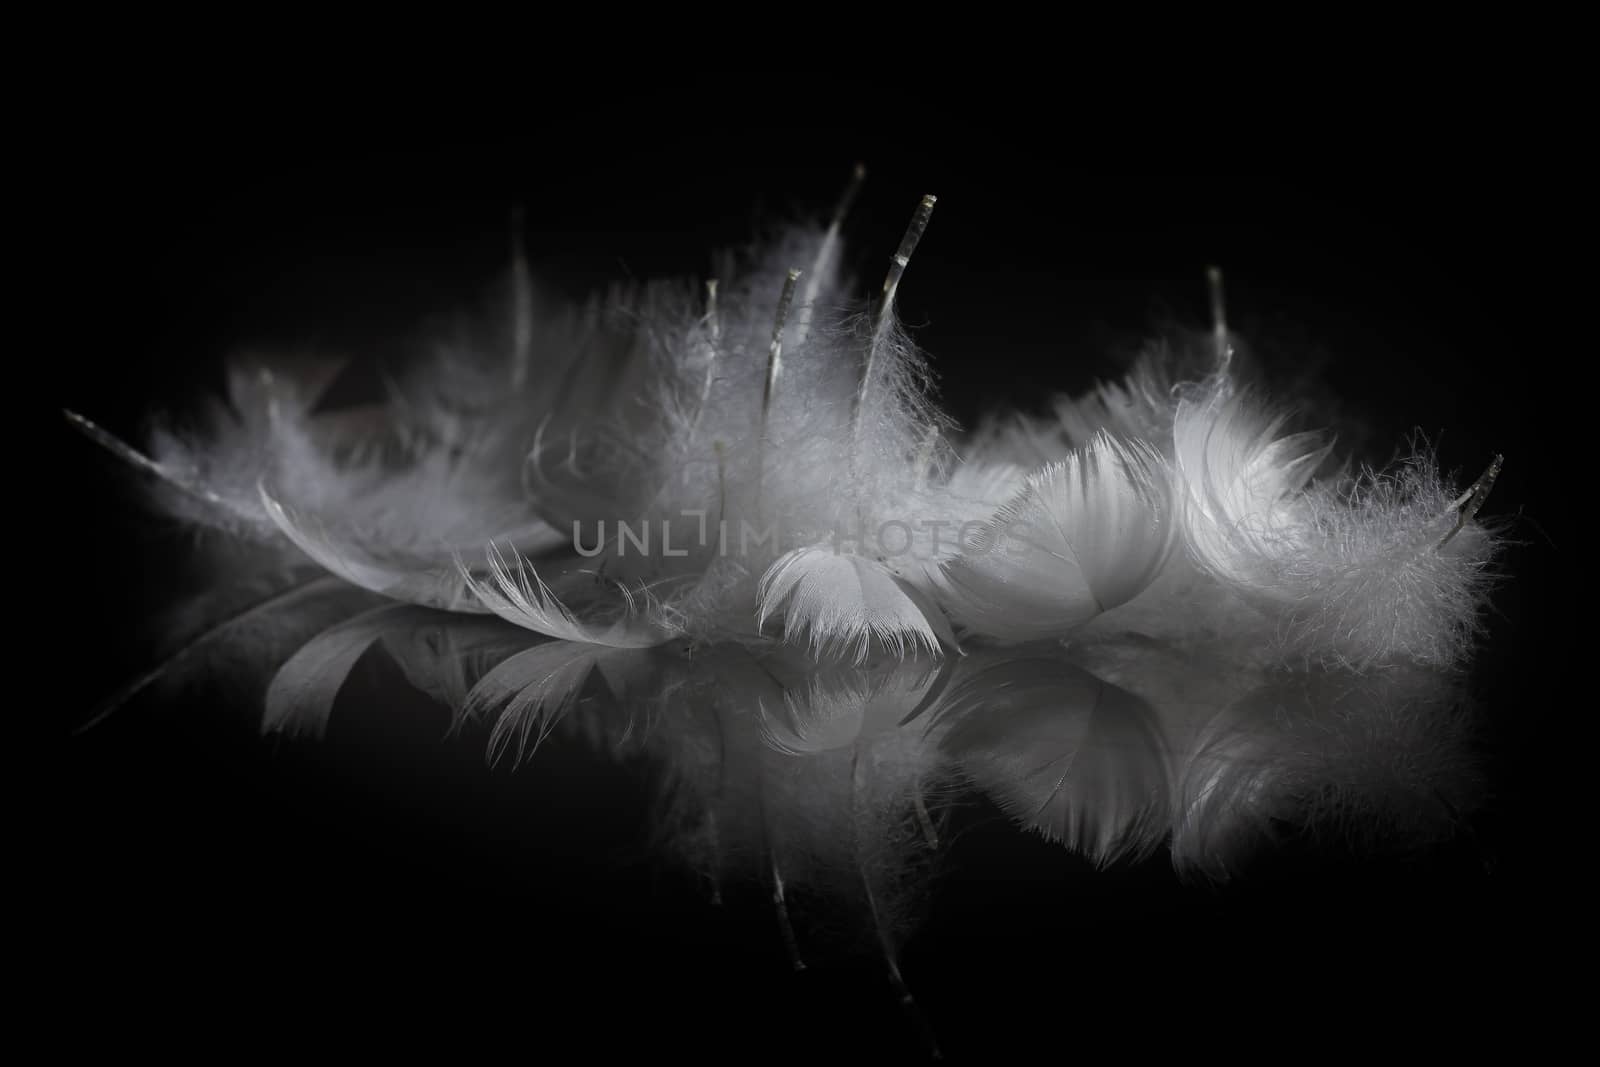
<point x="621" y="617"/>
<point x="816" y="390"/>
<point x="836" y="588"/>
<point x="668" y="462"/>
<point x="847" y="605"/>
<point x="443" y="476"/>
<point x="1354" y="570"/>
<point x="396" y="526"/>
<point x="1400" y="571"/>
<point x="764" y="402"/>
<point x="386" y="495"/>
<point x="1242" y="480"/>
<point x="1085" y="534"/>
<point x="204" y="471"/>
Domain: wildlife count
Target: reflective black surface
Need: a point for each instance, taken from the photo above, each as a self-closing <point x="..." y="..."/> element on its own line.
<point x="454" y="827"/>
<point x="916" y="848"/>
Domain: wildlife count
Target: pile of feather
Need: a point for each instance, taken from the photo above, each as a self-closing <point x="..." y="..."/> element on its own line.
<point x="759" y="458"/>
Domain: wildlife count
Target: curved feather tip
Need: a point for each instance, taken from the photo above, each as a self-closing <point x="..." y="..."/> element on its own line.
<point x="841" y="604"/>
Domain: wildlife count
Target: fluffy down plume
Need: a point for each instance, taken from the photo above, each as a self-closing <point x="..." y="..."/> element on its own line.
<point x="1395" y="574"/>
<point x="730" y="467"/>
<point x="1356" y="571"/>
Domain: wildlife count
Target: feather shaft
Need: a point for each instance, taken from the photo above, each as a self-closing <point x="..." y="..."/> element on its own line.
<point x="1469" y="503"/>
<point x="891" y="285"/>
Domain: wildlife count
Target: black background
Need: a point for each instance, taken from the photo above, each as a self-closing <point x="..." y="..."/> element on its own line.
<point x="387" y="886"/>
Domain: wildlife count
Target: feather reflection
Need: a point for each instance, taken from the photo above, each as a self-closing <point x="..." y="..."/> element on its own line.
<point x="765" y="753"/>
<point x="829" y="793"/>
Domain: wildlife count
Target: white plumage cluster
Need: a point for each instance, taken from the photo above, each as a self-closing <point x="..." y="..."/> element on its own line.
<point x="759" y="458"/>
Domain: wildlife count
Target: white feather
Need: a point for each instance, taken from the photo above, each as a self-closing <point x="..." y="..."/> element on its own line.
<point x="1085" y="534"/>
<point x="1356" y="572"/>
<point x="394" y="524"/>
<point x="630" y="619"/>
<point x="841" y="604"/>
<point x="1242" y="482"/>
<point x="813" y="425"/>
<point x="205" y="470"/>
